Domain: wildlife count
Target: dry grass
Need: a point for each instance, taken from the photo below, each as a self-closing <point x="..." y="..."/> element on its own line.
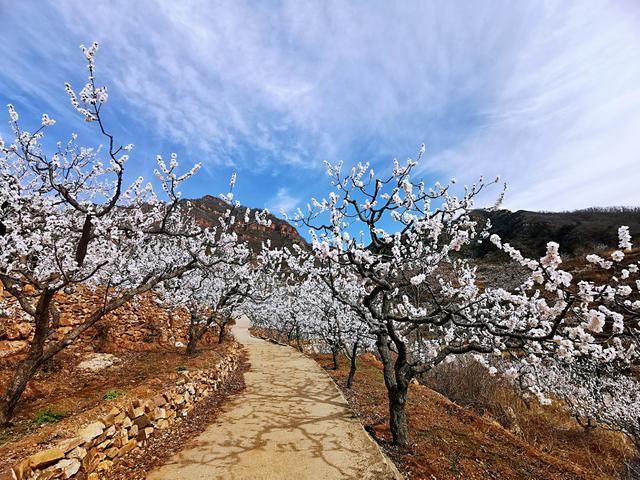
<point x="450" y="441"/>
<point x="548" y="428"/>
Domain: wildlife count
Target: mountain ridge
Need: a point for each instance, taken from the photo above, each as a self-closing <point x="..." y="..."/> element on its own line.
<point x="577" y="232"/>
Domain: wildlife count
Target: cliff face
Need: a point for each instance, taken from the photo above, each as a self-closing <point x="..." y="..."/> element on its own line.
<point x="207" y="210"/>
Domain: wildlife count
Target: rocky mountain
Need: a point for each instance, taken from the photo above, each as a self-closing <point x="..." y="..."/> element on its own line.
<point x="577" y="232"/>
<point x="207" y="210"/>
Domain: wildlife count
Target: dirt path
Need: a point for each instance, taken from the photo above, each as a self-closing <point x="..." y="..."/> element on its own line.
<point x="291" y="423"/>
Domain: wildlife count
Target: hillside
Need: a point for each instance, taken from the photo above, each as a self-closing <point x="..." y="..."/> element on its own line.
<point x="576" y="232"/>
<point x="450" y="441"/>
<point x="207" y="210"/>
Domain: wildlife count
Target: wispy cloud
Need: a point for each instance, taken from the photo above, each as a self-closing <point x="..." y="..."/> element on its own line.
<point x="562" y="128"/>
<point x="545" y="93"/>
<point x="283" y="201"/>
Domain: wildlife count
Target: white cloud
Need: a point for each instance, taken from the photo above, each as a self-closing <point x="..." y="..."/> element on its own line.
<point x="562" y="130"/>
<point x="283" y="201"/>
<point x="545" y="93"/>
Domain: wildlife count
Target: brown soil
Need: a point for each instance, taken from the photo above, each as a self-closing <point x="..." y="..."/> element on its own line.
<point x="452" y="442"/>
<point x="79" y="394"/>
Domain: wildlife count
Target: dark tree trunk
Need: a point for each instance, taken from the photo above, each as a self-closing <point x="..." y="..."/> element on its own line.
<point x="300" y="349"/>
<point x="23" y="374"/>
<point x="35" y="358"/>
<point x="397" y="376"/>
<point x="398" y="416"/>
<point x="353" y="366"/>
<point x="195" y="334"/>
<point x="221" y="334"/>
<point x="334" y="353"/>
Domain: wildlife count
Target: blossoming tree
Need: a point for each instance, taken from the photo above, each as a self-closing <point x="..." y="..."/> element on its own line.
<point x="68" y="220"/>
<point x="595" y="394"/>
<point x="396" y="252"/>
<point x="225" y="278"/>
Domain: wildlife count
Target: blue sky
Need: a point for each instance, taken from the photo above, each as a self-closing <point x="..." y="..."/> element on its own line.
<point x="544" y="93"/>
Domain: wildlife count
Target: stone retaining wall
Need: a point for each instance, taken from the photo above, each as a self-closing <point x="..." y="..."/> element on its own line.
<point x="103" y="442"/>
<point x="140" y="324"/>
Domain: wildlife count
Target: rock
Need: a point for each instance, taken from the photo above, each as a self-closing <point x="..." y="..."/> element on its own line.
<point x="108" y="420"/>
<point x="159" y="413"/>
<point x="136" y="412"/>
<point x="93" y="476"/>
<point x="93" y="458"/>
<point x="98" y="361"/>
<point x="128" y="447"/>
<point x="112" y="452"/>
<point x="142" y="422"/>
<point x="104" y="465"/>
<point x="159" y="401"/>
<point x="8" y="348"/>
<point x="70" y="444"/>
<point x="91" y="431"/>
<point x="105" y="444"/>
<point x="45" y="457"/>
<point x="78" y="452"/>
<point x="47" y="475"/>
<point x="133" y="431"/>
<point x="18" y="331"/>
<point x="22" y="470"/>
<point x="120" y="438"/>
<point x="69" y="467"/>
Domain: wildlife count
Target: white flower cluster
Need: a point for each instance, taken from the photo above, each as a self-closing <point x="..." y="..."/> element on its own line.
<point x="407" y="277"/>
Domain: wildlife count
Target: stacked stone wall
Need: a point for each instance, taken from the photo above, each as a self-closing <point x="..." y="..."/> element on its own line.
<point x="102" y="443"/>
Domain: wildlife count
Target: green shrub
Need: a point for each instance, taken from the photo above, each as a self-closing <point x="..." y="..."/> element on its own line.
<point x="181" y="368"/>
<point x="113" y="394"/>
<point x="48" y="416"/>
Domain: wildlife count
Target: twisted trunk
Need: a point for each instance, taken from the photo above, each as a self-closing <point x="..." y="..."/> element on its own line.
<point x="334" y="353"/>
<point x="353" y="366"/>
<point x="195" y="334"/>
<point x="221" y="334"/>
<point x="397" y="375"/>
<point x="35" y="358"/>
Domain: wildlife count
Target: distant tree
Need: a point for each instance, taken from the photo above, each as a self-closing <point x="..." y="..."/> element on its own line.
<point x="213" y="292"/>
<point x="596" y="395"/>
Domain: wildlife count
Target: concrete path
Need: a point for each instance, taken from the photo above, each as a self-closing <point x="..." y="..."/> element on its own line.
<point x="291" y="423"/>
